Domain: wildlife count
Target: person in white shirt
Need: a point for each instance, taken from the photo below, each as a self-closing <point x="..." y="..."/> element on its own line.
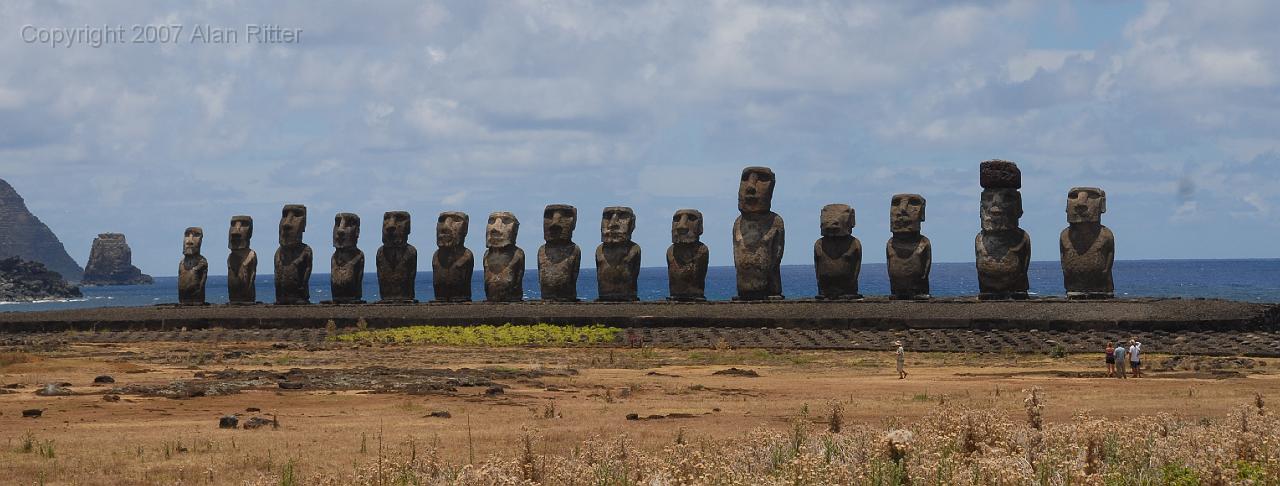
<point x="1135" y="363"/>
<point x="902" y="354"/>
<point x="1121" y="355"/>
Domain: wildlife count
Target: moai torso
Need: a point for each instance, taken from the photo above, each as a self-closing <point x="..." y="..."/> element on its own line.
<point x="452" y="264"/>
<point x="687" y="257"/>
<point x="397" y="260"/>
<point x="346" y="274"/>
<point x="617" y="257"/>
<point x="503" y="260"/>
<point x="1087" y="247"/>
<point x="242" y="263"/>
<point x="1002" y="249"/>
<point x="908" y="254"/>
<point x="837" y="255"/>
<point x="758" y="238"/>
<point x="560" y="258"/>
<point x="193" y="271"/>
<point x="293" y="258"/>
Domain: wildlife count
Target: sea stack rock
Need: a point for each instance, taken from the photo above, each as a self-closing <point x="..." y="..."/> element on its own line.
<point x="24" y="281"/>
<point x="24" y="236"/>
<point x="111" y="263"/>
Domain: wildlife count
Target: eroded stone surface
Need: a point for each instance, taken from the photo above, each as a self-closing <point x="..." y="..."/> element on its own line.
<point x="837" y="255"/>
<point x="111" y="263"/>
<point x="293" y="258"/>
<point x="909" y="254"/>
<point x="559" y="259"/>
<point x="758" y="238"/>
<point x="346" y="274"/>
<point x="397" y="260"/>
<point x="452" y="264"/>
<point x="503" y="260"/>
<point x="242" y="263"/>
<point x="193" y="270"/>
<point x="617" y="257"/>
<point x="687" y="257"/>
<point x="23" y="235"/>
<point x="1003" y="249"/>
<point x="1087" y="247"/>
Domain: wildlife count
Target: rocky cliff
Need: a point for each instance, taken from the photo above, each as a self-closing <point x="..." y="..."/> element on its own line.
<point x="24" y="281"/>
<point x="23" y="235"/>
<point x="111" y="263"/>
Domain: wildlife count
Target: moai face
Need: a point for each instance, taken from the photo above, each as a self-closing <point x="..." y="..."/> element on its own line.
<point x="1001" y="209"/>
<point x="346" y="230"/>
<point x="558" y="223"/>
<point x="395" y="228"/>
<point x="686" y="226"/>
<point x="906" y="212"/>
<point x="1086" y="205"/>
<point x="837" y="220"/>
<point x="755" y="192"/>
<point x="502" y="229"/>
<point x="241" y="233"/>
<point x="192" y="238"/>
<point x="617" y="224"/>
<point x="451" y="229"/>
<point x="293" y="221"/>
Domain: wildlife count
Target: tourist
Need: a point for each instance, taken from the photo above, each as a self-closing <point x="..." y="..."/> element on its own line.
<point x="902" y="354"/>
<point x="1135" y="363"/>
<point x="1120" y="354"/>
<point x="1111" y="359"/>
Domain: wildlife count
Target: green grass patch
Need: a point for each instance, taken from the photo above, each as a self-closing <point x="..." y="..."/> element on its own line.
<point x="486" y="335"/>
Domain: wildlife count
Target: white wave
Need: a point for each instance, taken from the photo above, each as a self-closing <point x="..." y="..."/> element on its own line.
<point x="46" y="301"/>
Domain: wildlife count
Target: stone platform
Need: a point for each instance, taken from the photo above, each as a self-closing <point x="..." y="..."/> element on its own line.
<point x="1168" y="315"/>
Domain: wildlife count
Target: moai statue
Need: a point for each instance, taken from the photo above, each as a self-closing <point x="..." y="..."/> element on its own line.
<point x="503" y="260"/>
<point x="687" y="257"/>
<point x="346" y="274"/>
<point x="293" y="258"/>
<point x="758" y="238"/>
<point x="242" y="263"/>
<point x="1003" y="249"/>
<point x="397" y="260"/>
<point x="908" y="254"/>
<point x="560" y="258"/>
<point x="453" y="263"/>
<point x="193" y="272"/>
<point x="1088" y="248"/>
<point x="837" y="255"/>
<point x="617" y="257"/>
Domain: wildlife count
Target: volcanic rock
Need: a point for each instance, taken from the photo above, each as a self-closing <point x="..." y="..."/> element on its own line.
<point x="23" y="235"/>
<point x="25" y="281"/>
<point x="111" y="263"/>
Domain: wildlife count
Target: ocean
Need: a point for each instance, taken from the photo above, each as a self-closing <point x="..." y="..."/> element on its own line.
<point x="1247" y="280"/>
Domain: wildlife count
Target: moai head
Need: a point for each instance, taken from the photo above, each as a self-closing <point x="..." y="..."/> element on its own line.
<point x="755" y="192"/>
<point x="616" y="224"/>
<point x="192" y="238"/>
<point x="293" y="221"/>
<point x="1086" y="205"/>
<point x="906" y="212"/>
<point x="558" y="223"/>
<point x="686" y="226"/>
<point x="451" y="229"/>
<point x="502" y="230"/>
<point x="837" y="220"/>
<point x="1001" y="201"/>
<point x="241" y="233"/>
<point x="346" y="230"/>
<point x="395" y="228"/>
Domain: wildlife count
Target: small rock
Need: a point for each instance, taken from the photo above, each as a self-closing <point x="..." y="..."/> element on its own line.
<point x="257" y="422"/>
<point x="13" y="386"/>
<point x="110" y="398"/>
<point x="32" y="412"/>
<point x="253" y="409"/>
<point x="494" y="391"/>
<point x="229" y="422"/>
<point x="738" y="372"/>
<point x="440" y="414"/>
<point x="280" y="345"/>
<point x="104" y="379"/>
<point x="291" y="385"/>
<point x="53" y="390"/>
<point x="633" y="416"/>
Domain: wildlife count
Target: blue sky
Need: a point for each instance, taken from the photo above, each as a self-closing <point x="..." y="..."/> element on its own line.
<point x="1172" y="107"/>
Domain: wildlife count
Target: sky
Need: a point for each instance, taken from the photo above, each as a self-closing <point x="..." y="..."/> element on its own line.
<point x="1173" y="108"/>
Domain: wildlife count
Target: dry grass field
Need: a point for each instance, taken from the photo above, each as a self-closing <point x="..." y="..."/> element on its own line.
<point x="359" y="413"/>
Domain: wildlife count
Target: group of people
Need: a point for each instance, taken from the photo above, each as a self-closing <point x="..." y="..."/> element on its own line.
<point x="1121" y="354"/>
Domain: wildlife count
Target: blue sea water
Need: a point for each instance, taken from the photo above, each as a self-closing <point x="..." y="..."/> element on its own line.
<point x="1247" y="280"/>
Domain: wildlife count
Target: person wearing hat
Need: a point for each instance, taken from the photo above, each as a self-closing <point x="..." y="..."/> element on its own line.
<point x="1135" y="363"/>
<point x="902" y="373"/>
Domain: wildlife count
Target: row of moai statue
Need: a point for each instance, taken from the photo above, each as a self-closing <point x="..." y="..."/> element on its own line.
<point x="1003" y="251"/>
